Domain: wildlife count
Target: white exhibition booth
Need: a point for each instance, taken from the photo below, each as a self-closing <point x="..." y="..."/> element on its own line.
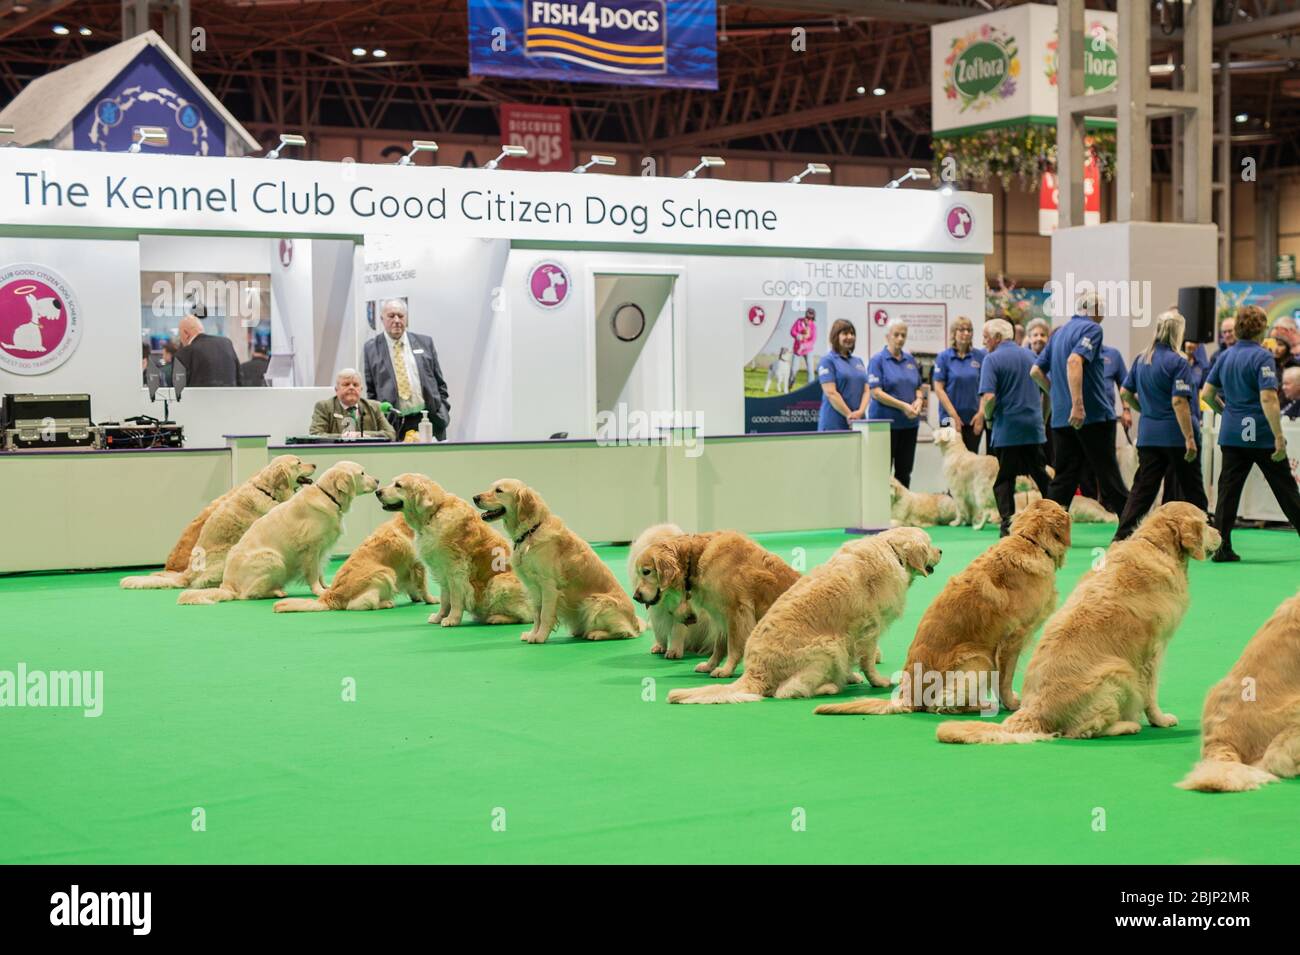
<point x="517" y="278"/>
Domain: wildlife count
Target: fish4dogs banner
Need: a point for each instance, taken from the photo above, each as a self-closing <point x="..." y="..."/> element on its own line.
<point x="627" y="42"/>
<point x="1000" y="69"/>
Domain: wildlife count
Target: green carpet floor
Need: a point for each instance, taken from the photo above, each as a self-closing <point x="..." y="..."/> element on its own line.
<point x="467" y="745"/>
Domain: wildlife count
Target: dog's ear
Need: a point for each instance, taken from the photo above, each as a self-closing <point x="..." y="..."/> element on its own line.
<point x="528" y="506"/>
<point x="1191" y="535"/>
<point x="667" y="568"/>
<point x="341" y="481"/>
<point x="914" y="552"/>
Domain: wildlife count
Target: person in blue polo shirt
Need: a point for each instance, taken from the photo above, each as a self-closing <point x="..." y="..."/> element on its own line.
<point x="1070" y="370"/>
<point x="843" y="377"/>
<point x="1116" y="371"/>
<point x="1012" y="403"/>
<point x="896" y="394"/>
<point x="1250" y="429"/>
<point x="956" y="385"/>
<point x="1161" y="386"/>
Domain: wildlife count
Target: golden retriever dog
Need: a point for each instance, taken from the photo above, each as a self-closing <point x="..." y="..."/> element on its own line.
<point x="970" y="478"/>
<point x="233" y="515"/>
<point x="384" y="566"/>
<point x="1250" y="728"/>
<point x="469" y="560"/>
<point x="565" y="580"/>
<point x="813" y="635"/>
<point x="1083" y="510"/>
<point x="915" y="509"/>
<point x="724" y="577"/>
<point x="970" y="638"/>
<point x="1097" y="668"/>
<point x="291" y="542"/>
<point x="672" y="637"/>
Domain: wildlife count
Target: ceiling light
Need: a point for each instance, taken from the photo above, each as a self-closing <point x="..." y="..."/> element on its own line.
<point x="358" y="51"/>
<point x="60" y="30"/>
<point x="878" y="91"/>
<point x="379" y="53"/>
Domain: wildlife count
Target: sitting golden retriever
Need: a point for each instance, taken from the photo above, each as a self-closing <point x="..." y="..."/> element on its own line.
<point x="970" y="478"/>
<point x="813" y="634"/>
<point x="385" y="565"/>
<point x="1097" y="668"/>
<point x="970" y="638"/>
<point x="915" y="509"/>
<point x="291" y="542"/>
<point x="233" y="514"/>
<point x="672" y="637"/>
<point x="469" y="560"/>
<point x="724" y="577"/>
<point x="565" y="580"/>
<point x="1250" y="729"/>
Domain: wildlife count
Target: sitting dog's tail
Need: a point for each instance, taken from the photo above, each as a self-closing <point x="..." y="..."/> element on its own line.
<point x="300" y="605"/>
<point x="209" y="595"/>
<point x="1016" y="729"/>
<point x="1225" y="776"/>
<point x="867" y="706"/>
<point x="164" y="580"/>
<point x="739" y="692"/>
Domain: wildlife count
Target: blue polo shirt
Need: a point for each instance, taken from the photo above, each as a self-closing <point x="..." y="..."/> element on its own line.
<point x="1079" y="336"/>
<point x="849" y="376"/>
<point x="1018" y="408"/>
<point x="1169" y="375"/>
<point x="1246" y="369"/>
<point x="961" y="379"/>
<point x="899" y="378"/>
<point x="1114" y="370"/>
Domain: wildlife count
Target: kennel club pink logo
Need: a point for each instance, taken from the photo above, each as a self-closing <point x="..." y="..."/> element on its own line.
<point x="548" y="284"/>
<point x="959" y="221"/>
<point x="40" y="323"/>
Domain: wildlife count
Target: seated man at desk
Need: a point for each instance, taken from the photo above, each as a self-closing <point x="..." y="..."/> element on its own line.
<point x="348" y="411"/>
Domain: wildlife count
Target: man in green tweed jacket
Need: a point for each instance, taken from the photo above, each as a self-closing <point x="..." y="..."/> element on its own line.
<point x="347" y="410"/>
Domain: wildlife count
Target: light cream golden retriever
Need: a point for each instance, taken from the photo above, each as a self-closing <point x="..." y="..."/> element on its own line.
<point x="1250" y="729"/>
<point x="915" y="509"/>
<point x="970" y="478"/>
<point x="724" y="577"/>
<point x="233" y="514"/>
<point x="1097" y="668"/>
<point x="565" y="580"/>
<point x="291" y="542"/>
<point x="384" y="566"/>
<point x="672" y="637"/>
<point x="469" y="560"/>
<point x="813" y="635"/>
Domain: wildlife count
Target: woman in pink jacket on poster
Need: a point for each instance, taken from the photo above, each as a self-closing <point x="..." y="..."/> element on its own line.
<point x="804" y="333"/>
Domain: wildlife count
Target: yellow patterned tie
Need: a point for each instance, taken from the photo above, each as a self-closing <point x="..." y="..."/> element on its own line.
<point x="399" y="373"/>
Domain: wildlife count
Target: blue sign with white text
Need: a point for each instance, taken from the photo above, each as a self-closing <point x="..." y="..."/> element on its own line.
<point x="625" y="42"/>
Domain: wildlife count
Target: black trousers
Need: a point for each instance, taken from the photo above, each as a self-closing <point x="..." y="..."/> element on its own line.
<point x="1092" y="446"/>
<point x="902" y="453"/>
<point x="1237" y="463"/>
<point x="971" y="439"/>
<point x="1012" y="462"/>
<point x="1156" y="465"/>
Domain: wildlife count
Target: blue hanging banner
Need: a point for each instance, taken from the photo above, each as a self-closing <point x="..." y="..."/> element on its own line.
<point x="623" y="42"/>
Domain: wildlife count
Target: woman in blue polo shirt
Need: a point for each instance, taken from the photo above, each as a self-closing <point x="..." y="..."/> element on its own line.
<point x="1250" y="429"/>
<point x="896" y="394"/>
<point x="956" y="385"/>
<point x="1161" y="387"/>
<point x="843" y="378"/>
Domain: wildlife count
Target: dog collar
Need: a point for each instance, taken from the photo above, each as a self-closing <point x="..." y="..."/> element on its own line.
<point x="264" y="491"/>
<point x="1039" y="546"/>
<point x="690" y="618"/>
<point x="526" y="534"/>
<point x="330" y="496"/>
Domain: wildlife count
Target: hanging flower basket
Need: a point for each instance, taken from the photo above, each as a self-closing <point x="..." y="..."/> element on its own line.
<point x="1018" y="153"/>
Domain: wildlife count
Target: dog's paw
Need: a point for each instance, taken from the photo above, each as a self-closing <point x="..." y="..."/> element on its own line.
<point x="673" y="653"/>
<point x="659" y="648"/>
<point x="704" y="667"/>
<point x="854" y="679"/>
<point x="451" y="620"/>
<point x="722" y="672"/>
<point x="1012" y="703"/>
<point x="533" y="637"/>
<point x="879" y="681"/>
<point x="435" y="617"/>
<point x="1165" y="721"/>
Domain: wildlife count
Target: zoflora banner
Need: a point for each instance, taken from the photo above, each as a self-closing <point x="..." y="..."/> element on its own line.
<point x="624" y="42"/>
<point x="1001" y="68"/>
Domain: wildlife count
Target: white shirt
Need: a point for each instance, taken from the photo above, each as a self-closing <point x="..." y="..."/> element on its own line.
<point x="412" y="373"/>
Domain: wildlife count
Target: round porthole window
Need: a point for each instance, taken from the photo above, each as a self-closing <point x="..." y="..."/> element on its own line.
<point x="628" y="322"/>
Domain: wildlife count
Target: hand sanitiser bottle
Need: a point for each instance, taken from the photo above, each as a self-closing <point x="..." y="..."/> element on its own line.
<point x="426" y="428"/>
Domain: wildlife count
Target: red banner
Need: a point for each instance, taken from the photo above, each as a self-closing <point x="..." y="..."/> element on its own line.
<point x="543" y="130"/>
<point x="1048" y="194"/>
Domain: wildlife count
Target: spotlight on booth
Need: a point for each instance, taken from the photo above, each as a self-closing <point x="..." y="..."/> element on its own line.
<point x="418" y="146"/>
<point x="813" y="169"/>
<point x="596" y="161"/>
<point x="7" y="132"/>
<point x="148" y="136"/>
<point x="706" y="162"/>
<point x="507" y="152"/>
<point x="919" y="173"/>
<point x="286" y="139"/>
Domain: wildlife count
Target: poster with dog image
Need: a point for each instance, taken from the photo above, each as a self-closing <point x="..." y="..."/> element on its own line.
<point x="784" y="338"/>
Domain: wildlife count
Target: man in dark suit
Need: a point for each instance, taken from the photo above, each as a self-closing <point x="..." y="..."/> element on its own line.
<point x="402" y="369"/>
<point x="210" y="360"/>
<point x="347" y="410"/>
<point x="252" y="373"/>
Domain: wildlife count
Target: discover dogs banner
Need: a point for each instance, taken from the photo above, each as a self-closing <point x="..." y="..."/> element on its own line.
<point x="624" y="42"/>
